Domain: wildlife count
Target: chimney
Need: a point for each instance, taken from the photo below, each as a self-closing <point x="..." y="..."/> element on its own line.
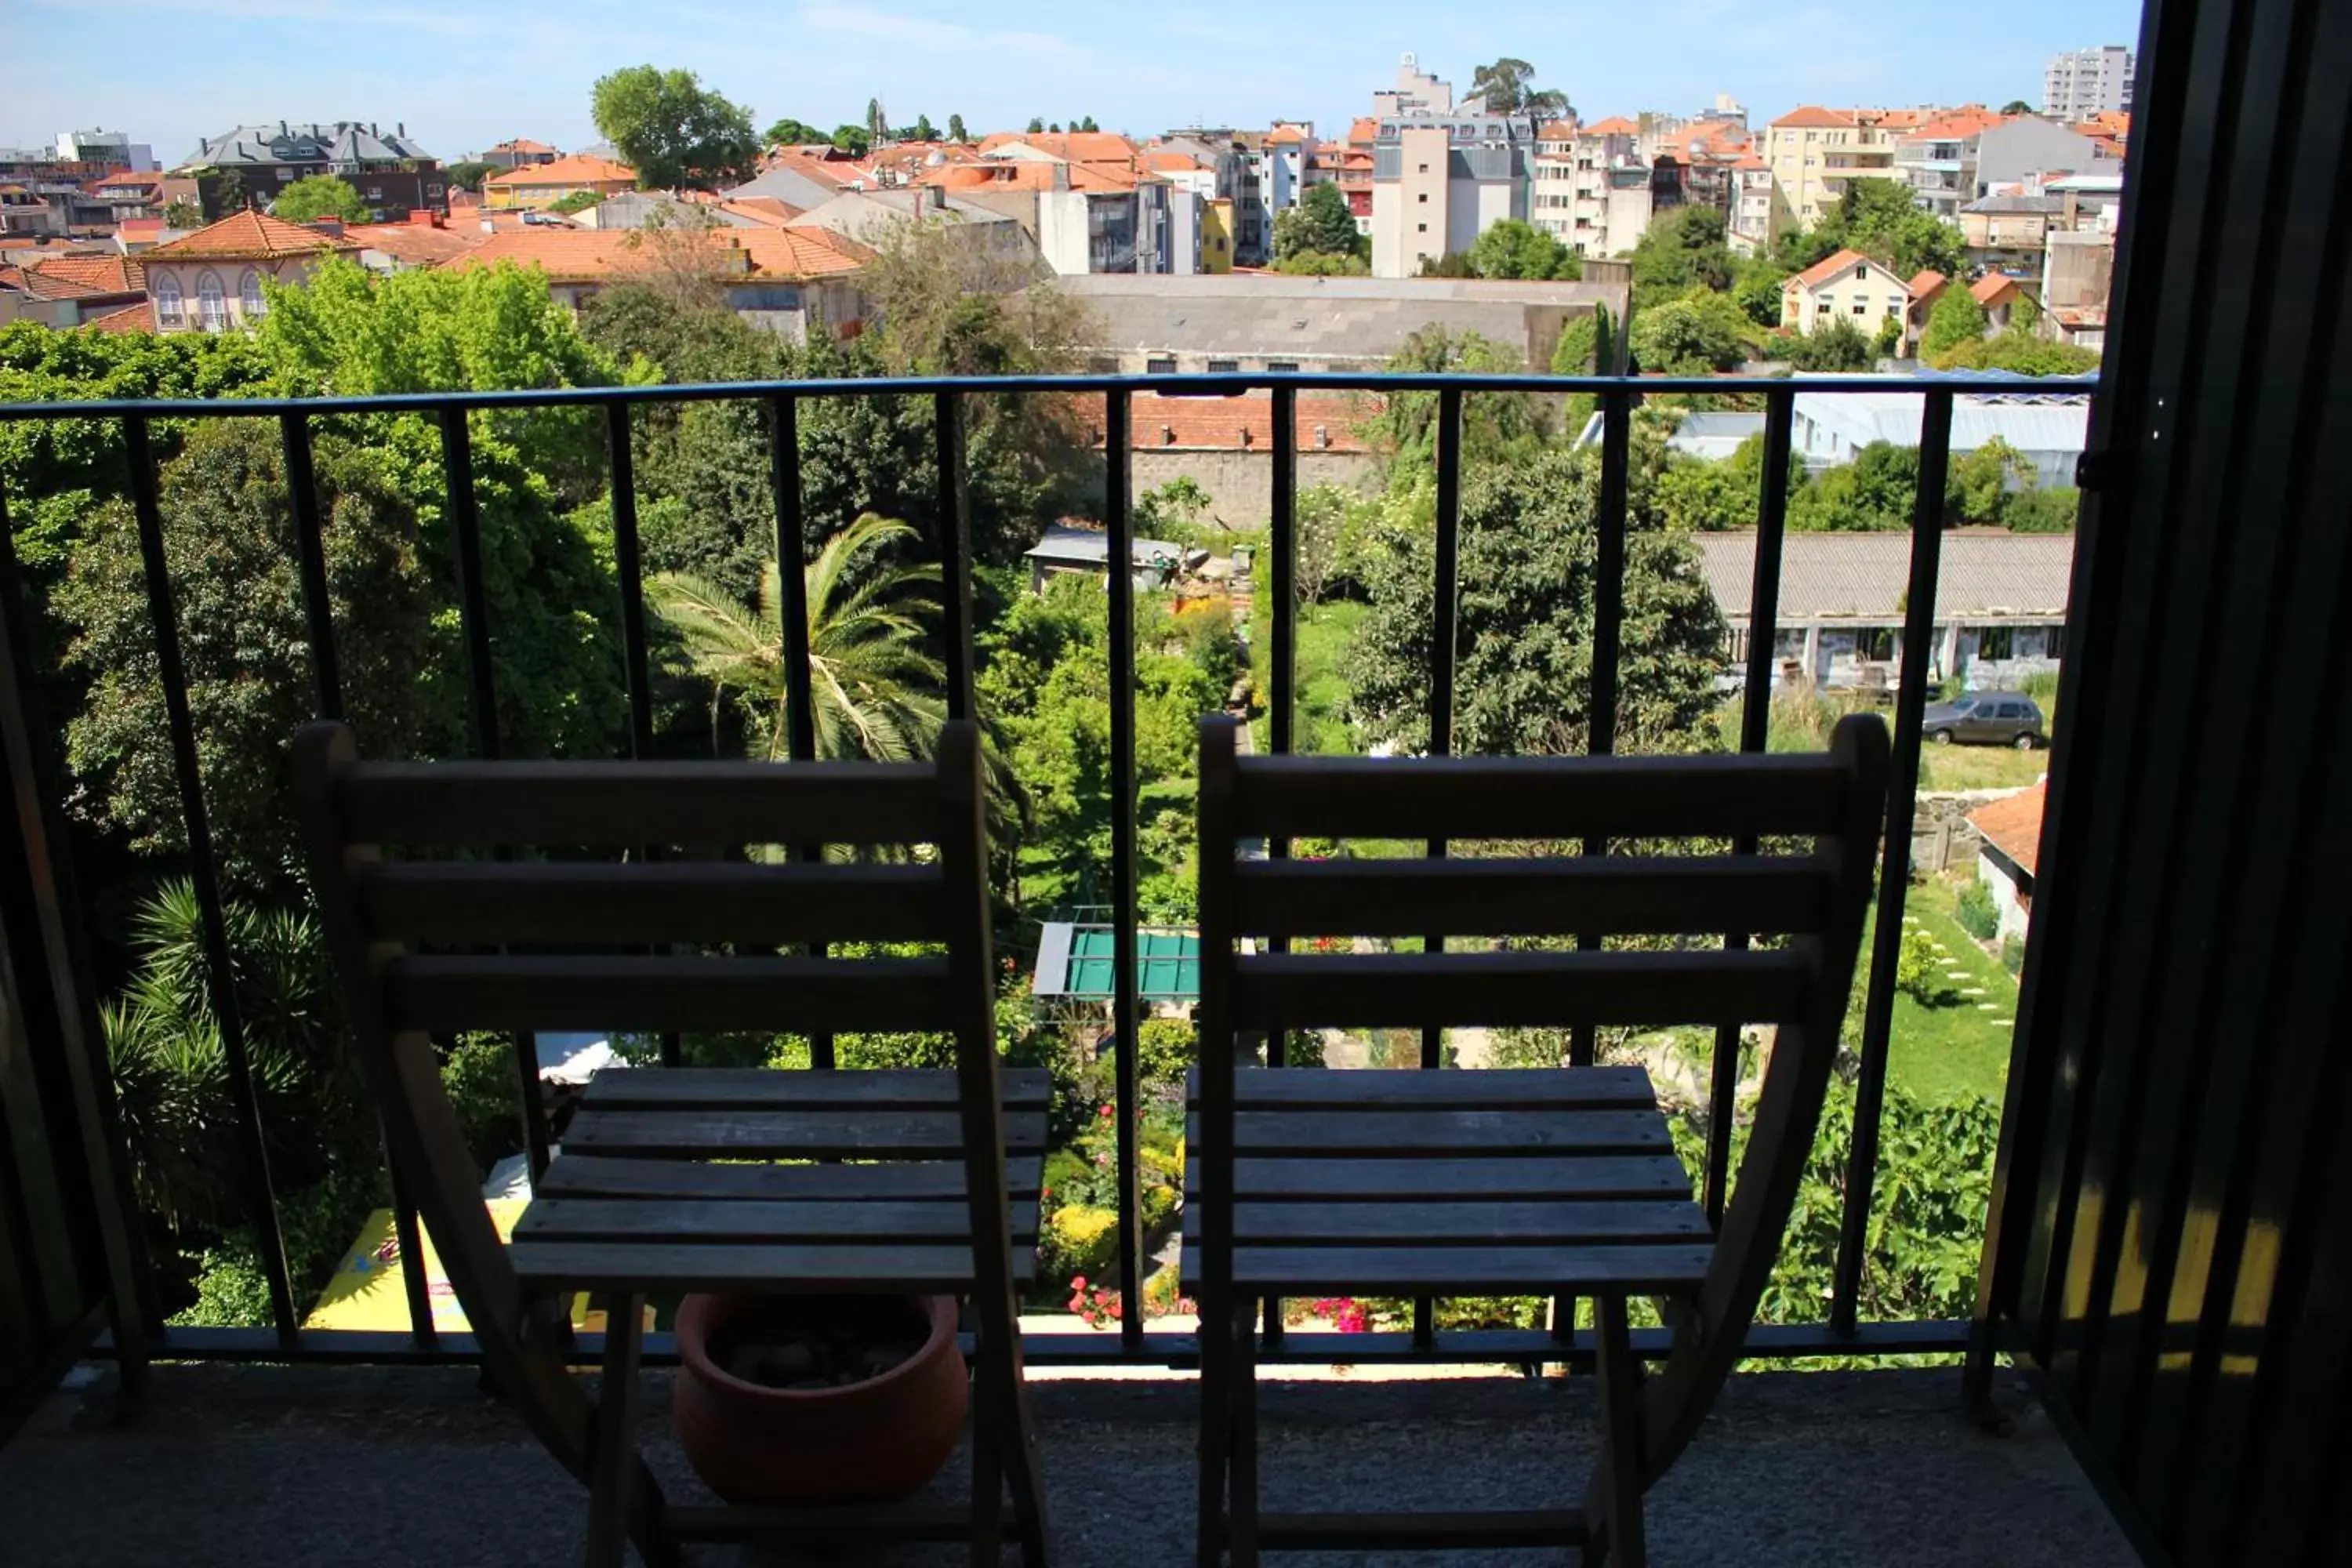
<point x="401" y="129"/>
<point x="1061" y="176"/>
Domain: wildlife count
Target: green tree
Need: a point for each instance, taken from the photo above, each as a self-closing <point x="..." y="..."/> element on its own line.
<point x="1528" y="553"/>
<point x="315" y="197"/>
<point x="877" y="690"/>
<point x="853" y="140"/>
<point x="877" y="126"/>
<point x="2037" y="511"/>
<point x="791" y="132"/>
<point x="1683" y="249"/>
<point x="672" y="130"/>
<point x="924" y="130"/>
<point x="1497" y="429"/>
<point x="1758" y="288"/>
<point x="1955" y="319"/>
<point x="467" y="175"/>
<point x="2023" y="354"/>
<point x="1321" y="263"/>
<point x="1036" y="125"/>
<point x="1505" y="87"/>
<point x="1838" y="346"/>
<point x="1877" y="490"/>
<point x="1699" y="334"/>
<point x="1320" y="224"/>
<point x="1512" y="248"/>
<point x="2016" y="106"/>
<point x="1980" y="481"/>
<point x="1880" y="218"/>
<point x="182" y="213"/>
<point x="1453" y="264"/>
<point x="577" y="202"/>
<point x="955" y="129"/>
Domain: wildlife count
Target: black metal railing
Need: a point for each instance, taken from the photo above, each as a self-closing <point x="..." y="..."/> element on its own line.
<point x="1843" y="1334"/>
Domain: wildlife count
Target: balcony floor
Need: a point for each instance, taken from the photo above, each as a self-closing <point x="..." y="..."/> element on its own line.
<point x="256" y="1466"/>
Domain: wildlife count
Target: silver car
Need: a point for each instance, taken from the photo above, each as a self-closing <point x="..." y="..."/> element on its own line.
<point x="1986" y="718"/>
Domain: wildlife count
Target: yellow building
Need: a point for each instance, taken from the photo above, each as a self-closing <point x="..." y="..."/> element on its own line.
<point x="1217" y="235"/>
<point x="1814" y="151"/>
<point x="544" y="184"/>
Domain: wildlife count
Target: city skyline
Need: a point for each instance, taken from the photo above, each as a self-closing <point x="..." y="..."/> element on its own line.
<point x="462" y="80"/>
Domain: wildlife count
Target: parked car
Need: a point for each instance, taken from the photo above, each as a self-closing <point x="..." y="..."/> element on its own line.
<point x="1987" y="718"/>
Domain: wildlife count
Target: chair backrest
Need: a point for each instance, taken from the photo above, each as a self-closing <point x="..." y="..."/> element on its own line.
<point x="444" y="913"/>
<point x="1680" y="822"/>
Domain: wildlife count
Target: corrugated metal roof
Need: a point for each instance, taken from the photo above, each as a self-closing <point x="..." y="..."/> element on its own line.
<point x="2029" y="421"/>
<point x="1862" y="577"/>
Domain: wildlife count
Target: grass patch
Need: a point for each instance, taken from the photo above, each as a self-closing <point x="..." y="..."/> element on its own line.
<point x="1957" y="1051"/>
<point x="1320" y="722"/>
<point x="1803" y="725"/>
<point x="1978" y="767"/>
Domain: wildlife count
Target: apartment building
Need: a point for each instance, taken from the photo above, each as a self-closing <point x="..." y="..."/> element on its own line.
<point x="250" y="164"/>
<point x="1439" y="181"/>
<point x="1940" y="160"/>
<point x="1592" y="189"/>
<point x="1814" y="152"/>
<point x="2086" y="83"/>
<point x="2026" y="147"/>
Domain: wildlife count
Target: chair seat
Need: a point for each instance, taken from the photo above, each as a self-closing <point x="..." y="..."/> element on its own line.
<point x="1509" y="1182"/>
<point x="634" y="1203"/>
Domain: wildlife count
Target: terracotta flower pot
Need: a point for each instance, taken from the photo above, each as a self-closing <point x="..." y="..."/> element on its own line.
<point x="874" y="1441"/>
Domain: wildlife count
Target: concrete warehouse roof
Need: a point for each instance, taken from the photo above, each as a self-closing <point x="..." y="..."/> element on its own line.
<point x="1988" y="576"/>
<point x="1310" y="319"/>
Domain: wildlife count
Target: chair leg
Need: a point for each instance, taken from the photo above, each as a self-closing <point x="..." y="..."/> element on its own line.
<point x="613" y="1465"/>
<point x="1241" y="1533"/>
<point x="1216" y="1428"/>
<point x="1621" y="1394"/>
<point x="987" y="1475"/>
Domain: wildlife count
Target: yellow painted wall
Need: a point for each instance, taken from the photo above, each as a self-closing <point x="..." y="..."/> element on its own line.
<point x="1217" y="235"/>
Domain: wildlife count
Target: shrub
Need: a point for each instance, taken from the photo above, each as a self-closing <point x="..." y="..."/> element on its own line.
<point x="1974" y="909"/>
<point x="1078" y="1240"/>
<point x="2012" y="955"/>
<point x="1919" y="972"/>
<point x="1165" y="1050"/>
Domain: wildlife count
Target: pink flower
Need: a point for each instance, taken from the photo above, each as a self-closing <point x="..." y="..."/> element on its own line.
<point x="1077" y="1281"/>
<point x="1105" y="1113"/>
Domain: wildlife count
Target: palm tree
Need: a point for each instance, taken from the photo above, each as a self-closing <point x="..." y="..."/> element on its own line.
<point x="875" y="689"/>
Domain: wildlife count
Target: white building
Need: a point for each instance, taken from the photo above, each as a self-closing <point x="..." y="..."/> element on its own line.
<point x="2087" y="82"/>
<point x="1439" y="183"/>
<point x="107" y="147"/>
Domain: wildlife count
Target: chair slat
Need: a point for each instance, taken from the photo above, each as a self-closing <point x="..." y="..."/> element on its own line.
<point x="621" y="803"/>
<point x="1531" y="897"/>
<point x="1408" y="1179"/>
<point x="1545" y="797"/>
<point x="1397" y="1134"/>
<point x="767" y="1088"/>
<point x="1490" y="1270"/>
<point x="794" y="1134"/>
<point x="1497" y="1089"/>
<point x="1502" y="990"/>
<point x="457" y="903"/>
<point x="705" y="1219"/>
<point x="666" y="992"/>
<point x="656" y="1268"/>
<point x="1459" y="1223"/>
<point x="581" y="1175"/>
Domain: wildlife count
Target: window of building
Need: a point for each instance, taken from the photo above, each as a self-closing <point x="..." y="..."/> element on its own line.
<point x="1421" y="229"/>
<point x="1997" y="642"/>
<point x="1224" y="366"/>
<point x="1875" y="643"/>
<point x="170" y="310"/>
<point x="1425" y="168"/>
<point x="212" y="305"/>
<point x="1160" y="365"/>
<point x="249" y="296"/>
<point x="1281" y="365"/>
<point x="1422" y="198"/>
<point x="1861" y="305"/>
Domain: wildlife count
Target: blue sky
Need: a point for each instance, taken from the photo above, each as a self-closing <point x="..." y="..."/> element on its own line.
<point x="464" y="75"/>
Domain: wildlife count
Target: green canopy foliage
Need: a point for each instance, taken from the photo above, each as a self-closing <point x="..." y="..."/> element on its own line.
<point x="1881" y="219"/>
<point x="672" y="130"/>
<point x="467" y="173"/>
<point x="1513" y="248"/>
<point x="1684" y="249"/>
<point x="315" y="197"/>
<point x="1508" y="87"/>
<point x="1699" y="334"/>
<point x="1837" y="346"/>
<point x="2021" y="352"/>
<point x="1319" y="224"/>
<point x="1953" y="320"/>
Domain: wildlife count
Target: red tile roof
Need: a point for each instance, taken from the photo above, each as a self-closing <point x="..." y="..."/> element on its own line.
<point x="589" y="254"/>
<point x="1556" y="131"/>
<point x="579" y="169"/>
<point x="138" y="318"/>
<point x="107" y="274"/>
<point x="1363" y="131"/>
<point x="1926" y="282"/>
<point x="415" y="244"/>
<point x="1615" y="125"/>
<point x="523" y="144"/>
<point x="1080" y="147"/>
<point x="2013" y="825"/>
<point x="1288" y="135"/>
<point x="766" y="211"/>
<point x="1827" y="268"/>
<point x="248" y="237"/>
<point x="1990" y="287"/>
<point x="1028" y="174"/>
<point x="1160" y="424"/>
<point x="1956" y="124"/>
<point x="41" y="285"/>
<point x="1813" y="116"/>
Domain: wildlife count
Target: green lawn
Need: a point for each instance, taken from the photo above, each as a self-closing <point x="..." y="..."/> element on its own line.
<point x="1978" y="767"/>
<point x="1325" y="631"/>
<point x="1959" y="1050"/>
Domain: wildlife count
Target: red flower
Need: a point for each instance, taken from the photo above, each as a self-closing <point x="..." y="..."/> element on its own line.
<point x="1105" y="1111"/>
<point x="1077" y="1281"/>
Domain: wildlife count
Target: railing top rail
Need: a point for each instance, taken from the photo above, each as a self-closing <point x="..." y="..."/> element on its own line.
<point x="1219" y="384"/>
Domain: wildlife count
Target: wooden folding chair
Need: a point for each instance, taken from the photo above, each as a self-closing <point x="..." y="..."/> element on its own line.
<point x="901" y="1182"/>
<point x="1555" y="1182"/>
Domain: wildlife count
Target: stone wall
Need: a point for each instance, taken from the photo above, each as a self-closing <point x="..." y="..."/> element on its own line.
<point x="1239" y="482"/>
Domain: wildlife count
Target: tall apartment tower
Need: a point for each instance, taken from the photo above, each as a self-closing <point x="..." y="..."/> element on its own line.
<point x="2087" y="82"/>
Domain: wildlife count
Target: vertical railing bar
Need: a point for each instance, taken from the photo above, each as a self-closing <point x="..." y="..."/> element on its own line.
<point x="319" y="619"/>
<point x="1894" y="864"/>
<point x="793" y="613"/>
<point x="1600" y="728"/>
<point x="1755" y="730"/>
<point x="1282" y="671"/>
<point x="474" y="616"/>
<point x="219" y="966"/>
<point x="955" y="555"/>
<point x="1126" y="1091"/>
<point x="629" y="566"/>
<point x="1443" y="648"/>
